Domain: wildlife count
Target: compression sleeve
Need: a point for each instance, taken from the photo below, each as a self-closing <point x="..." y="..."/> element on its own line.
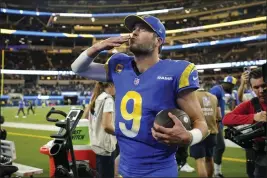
<point x="85" y="67"/>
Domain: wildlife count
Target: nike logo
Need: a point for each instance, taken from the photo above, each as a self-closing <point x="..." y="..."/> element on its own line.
<point x="195" y="78"/>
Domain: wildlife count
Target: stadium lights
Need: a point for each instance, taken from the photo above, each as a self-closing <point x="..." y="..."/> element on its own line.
<point x="200" y="68"/>
<point x="154" y="12"/>
<point x="224" y="24"/>
<point x="105" y="15"/>
<point x="57" y="34"/>
<point x="164" y="48"/>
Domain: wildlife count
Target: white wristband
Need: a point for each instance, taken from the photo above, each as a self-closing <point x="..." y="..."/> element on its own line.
<point x="196" y="136"/>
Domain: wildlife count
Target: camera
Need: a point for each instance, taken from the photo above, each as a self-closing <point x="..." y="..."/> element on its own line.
<point x="247" y="69"/>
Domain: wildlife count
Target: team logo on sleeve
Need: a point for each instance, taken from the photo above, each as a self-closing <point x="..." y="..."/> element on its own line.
<point x="118" y="68"/>
<point x="195" y="77"/>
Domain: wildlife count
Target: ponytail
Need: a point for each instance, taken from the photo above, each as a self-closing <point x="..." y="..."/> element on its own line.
<point x="99" y="88"/>
<point x="96" y="93"/>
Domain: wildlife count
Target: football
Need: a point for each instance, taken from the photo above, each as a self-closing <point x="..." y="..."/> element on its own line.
<point x="163" y="119"/>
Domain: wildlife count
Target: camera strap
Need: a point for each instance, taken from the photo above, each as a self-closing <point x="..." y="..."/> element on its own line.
<point x="256" y="104"/>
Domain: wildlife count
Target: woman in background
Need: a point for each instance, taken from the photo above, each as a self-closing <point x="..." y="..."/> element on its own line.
<point x="101" y="114"/>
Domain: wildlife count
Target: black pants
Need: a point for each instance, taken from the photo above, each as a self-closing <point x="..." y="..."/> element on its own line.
<point x="21" y="110"/>
<point x="117" y="151"/>
<point x="28" y="110"/>
<point x="250" y="162"/>
<point x="105" y="165"/>
<point x="260" y="171"/>
<point x="260" y="165"/>
<point x="219" y="148"/>
<point x="205" y="148"/>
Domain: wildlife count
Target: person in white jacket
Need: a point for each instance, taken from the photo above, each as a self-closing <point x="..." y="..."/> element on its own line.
<point x="101" y="114"/>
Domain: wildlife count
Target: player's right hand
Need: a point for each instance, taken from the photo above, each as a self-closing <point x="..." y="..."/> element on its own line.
<point x="177" y="135"/>
<point x="111" y="42"/>
<point x="260" y="116"/>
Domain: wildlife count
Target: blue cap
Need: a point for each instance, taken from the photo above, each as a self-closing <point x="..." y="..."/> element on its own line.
<point x="230" y="79"/>
<point x="153" y="22"/>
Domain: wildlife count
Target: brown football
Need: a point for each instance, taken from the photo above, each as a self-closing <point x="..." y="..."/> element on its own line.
<point x="163" y="119"/>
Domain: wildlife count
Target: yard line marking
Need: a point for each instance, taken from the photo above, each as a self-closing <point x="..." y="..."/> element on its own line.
<point x="234" y="159"/>
<point x="49" y="138"/>
<point x="29" y="135"/>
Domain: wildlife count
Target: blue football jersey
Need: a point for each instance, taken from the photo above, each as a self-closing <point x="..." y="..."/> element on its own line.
<point x="218" y="91"/>
<point x="21" y="104"/>
<point x="138" y="99"/>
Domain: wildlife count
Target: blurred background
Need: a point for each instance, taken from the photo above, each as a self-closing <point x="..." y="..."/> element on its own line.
<point x="49" y="35"/>
<point x="41" y="38"/>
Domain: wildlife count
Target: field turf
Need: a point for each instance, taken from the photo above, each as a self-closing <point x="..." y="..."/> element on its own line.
<point x="28" y="143"/>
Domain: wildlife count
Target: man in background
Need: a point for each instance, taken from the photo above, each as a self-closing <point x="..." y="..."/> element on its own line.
<point x="21" y="108"/>
<point x="203" y="151"/>
<point x="219" y="91"/>
<point x="249" y="112"/>
<point x="30" y="108"/>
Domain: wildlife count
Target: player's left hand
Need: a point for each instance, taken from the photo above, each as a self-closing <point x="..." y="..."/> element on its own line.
<point x="177" y="135"/>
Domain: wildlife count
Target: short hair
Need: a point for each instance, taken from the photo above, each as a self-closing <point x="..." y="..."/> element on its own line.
<point x="155" y="35"/>
<point x="255" y="74"/>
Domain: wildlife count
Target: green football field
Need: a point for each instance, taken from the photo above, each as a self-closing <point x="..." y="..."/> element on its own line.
<point x="39" y="118"/>
<point x="28" y="143"/>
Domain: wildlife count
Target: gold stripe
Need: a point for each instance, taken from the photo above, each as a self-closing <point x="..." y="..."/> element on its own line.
<point x="2" y="75"/>
<point x="29" y="135"/>
<point x="69" y="35"/>
<point x="234" y="80"/>
<point x="234" y="159"/>
<point x="184" y="79"/>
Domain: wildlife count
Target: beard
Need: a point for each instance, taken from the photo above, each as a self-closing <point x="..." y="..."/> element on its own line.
<point x="142" y="49"/>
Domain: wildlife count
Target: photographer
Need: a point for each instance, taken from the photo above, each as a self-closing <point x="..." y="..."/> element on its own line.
<point x="244" y="92"/>
<point x="250" y="112"/>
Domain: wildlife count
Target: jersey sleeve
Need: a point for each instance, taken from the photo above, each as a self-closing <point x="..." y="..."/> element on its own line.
<point x="188" y="78"/>
<point x="215" y="91"/>
<point x="240" y="115"/>
<point x="113" y="64"/>
<point x="109" y="66"/>
<point x="109" y="105"/>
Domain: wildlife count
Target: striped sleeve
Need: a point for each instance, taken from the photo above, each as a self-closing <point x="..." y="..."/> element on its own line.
<point x="188" y="78"/>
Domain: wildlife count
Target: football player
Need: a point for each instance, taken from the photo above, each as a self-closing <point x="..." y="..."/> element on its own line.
<point x="145" y="85"/>
<point x="219" y="91"/>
